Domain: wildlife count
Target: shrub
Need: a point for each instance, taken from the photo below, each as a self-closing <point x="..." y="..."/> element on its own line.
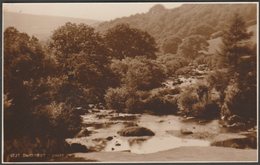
<point x="239" y="101"/>
<point x="172" y="63"/>
<point x="157" y="101"/>
<point x="162" y="101"/>
<point x="197" y="101"/>
<point x="138" y="73"/>
<point x="116" y="98"/>
<point x="64" y="120"/>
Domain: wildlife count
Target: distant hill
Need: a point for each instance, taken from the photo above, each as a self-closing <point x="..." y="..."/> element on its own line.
<point x="40" y="26"/>
<point x="163" y="23"/>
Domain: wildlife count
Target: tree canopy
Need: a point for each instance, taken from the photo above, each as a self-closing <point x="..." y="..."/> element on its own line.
<point x="193" y="46"/>
<point x="124" y="41"/>
<point x="234" y="45"/>
<point x="171" y="45"/>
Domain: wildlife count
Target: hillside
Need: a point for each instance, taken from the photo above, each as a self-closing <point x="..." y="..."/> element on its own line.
<point x="39" y="25"/>
<point x="214" y="44"/>
<point x="163" y="23"/>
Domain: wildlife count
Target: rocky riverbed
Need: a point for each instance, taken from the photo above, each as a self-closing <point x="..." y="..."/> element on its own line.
<point x="101" y="133"/>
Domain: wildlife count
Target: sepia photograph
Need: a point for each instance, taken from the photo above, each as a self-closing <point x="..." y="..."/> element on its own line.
<point x="130" y="82"/>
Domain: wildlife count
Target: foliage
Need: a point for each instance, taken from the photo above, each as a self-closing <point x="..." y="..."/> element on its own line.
<point x="25" y="63"/>
<point x="239" y="56"/>
<point x="116" y="98"/>
<point x="193" y="46"/>
<point x="239" y="101"/>
<point x="172" y="63"/>
<point x="198" y="101"/>
<point x="179" y="21"/>
<point x="219" y="81"/>
<point x="28" y="85"/>
<point x="124" y="41"/>
<point x="64" y="119"/>
<point x="73" y="38"/>
<point x="157" y="101"/>
<point x="83" y="60"/>
<point x="203" y="29"/>
<point x="162" y="101"/>
<point x="138" y="73"/>
<point x="233" y="48"/>
<point x="170" y="45"/>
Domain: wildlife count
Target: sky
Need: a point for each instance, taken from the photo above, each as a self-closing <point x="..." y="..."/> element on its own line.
<point x="96" y="11"/>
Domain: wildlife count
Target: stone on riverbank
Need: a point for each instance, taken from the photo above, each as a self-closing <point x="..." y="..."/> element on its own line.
<point x="136" y="131"/>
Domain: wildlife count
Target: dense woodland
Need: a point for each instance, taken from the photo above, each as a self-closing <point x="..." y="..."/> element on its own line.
<point x="48" y="86"/>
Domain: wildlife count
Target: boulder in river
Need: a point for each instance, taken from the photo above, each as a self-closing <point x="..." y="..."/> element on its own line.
<point x="186" y="132"/>
<point x="76" y="147"/>
<point x="136" y="131"/>
<point x="109" y="138"/>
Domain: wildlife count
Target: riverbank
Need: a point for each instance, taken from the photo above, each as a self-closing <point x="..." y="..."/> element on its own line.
<point x="183" y="154"/>
<point x="175" y="139"/>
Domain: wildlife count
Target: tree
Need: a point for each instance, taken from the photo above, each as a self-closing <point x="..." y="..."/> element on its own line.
<point x="124" y="41"/>
<point x="238" y="55"/>
<point x="171" y="45"/>
<point x="203" y="29"/>
<point x="83" y="59"/>
<point x="25" y="66"/>
<point x="233" y="47"/>
<point x="138" y="73"/>
<point x="71" y="39"/>
<point x="29" y="126"/>
<point x="193" y="46"/>
<point x="25" y="63"/>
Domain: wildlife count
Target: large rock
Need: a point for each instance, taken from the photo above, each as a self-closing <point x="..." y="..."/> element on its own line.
<point x="186" y="131"/>
<point x="76" y="147"/>
<point x="136" y="131"/>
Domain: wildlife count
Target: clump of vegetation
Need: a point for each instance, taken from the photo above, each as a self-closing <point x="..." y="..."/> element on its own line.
<point x="240" y="57"/>
<point x="172" y="63"/>
<point x="197" y="101"/>
<point x="137" y="76"/>
<point x="124" y="41"/>
<point x="241" y="102"/>
<point x="162" y="101"/>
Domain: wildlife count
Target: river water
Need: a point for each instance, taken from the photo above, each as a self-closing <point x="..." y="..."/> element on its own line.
<point x="106" y="123"/>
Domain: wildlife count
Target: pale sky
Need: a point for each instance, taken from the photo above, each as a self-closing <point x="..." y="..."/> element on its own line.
<point x="96" y="11"/>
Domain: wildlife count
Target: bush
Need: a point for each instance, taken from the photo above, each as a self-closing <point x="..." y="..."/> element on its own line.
<point x="198" y="102"/>
<point x="162" y="101"/>
<point x="64" y="120"/>
<point x="157" y="101"/>
<point x="116" y="98"/>
<point x="138" y="73"/>
<point x="125" y="100"/>
<point x="172" y="63"/>
<point x="239" y="101"/>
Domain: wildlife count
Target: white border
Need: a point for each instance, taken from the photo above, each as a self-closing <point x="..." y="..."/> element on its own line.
<point x="212" y="3"/>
